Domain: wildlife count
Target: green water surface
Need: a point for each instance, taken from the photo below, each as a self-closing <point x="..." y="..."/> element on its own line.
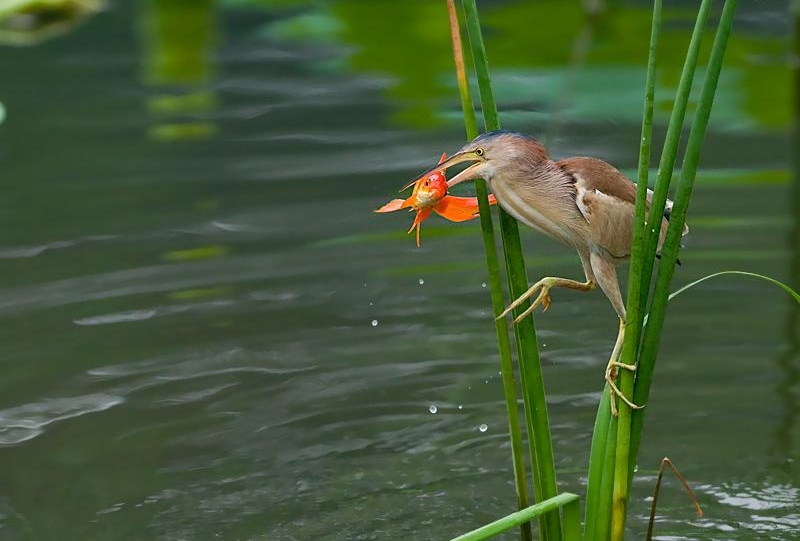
<point x="206" y="333"/>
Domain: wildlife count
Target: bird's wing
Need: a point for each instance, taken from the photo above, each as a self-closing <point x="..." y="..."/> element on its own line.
<point x="606" y="198"/>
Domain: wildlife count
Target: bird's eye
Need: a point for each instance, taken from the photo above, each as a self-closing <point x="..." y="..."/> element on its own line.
<point x="479" y="151"/>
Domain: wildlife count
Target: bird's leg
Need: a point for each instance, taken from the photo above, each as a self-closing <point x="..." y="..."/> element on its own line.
<point x="606" y="275"/>
<point x="543" y="287"/>
<point x="611" y="372"/>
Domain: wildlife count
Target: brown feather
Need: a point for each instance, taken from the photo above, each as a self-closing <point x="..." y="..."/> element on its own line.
<point x="606" y="198"/>
<point x="600" y="175"/>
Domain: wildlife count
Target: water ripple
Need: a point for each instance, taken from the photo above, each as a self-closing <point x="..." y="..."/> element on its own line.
<point x="28" y="421"/>
<point x="767" y="498"/>
<point x="119" y="317"/>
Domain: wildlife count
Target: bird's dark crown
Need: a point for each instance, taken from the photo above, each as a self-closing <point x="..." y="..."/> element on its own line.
<point x="497" y="133"/>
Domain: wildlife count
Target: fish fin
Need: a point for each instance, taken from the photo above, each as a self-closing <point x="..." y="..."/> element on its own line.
<point x="421" y="216"/>
<point x="395" y="204"/>
<point x="457" y="209"/>
<point x="460" y="209"/>
<point x="443" y="158"/>
<point x="391" y="206"/>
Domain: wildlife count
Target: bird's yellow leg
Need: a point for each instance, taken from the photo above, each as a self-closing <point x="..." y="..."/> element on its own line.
<point x="543" y="287"/>
<point x="611" y="372"/>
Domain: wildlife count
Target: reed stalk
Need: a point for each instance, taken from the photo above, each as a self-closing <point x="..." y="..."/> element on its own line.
<point x="669" y="152"/>
<point x="652" y="333"/>
<point x="566" y="501"/>
<point x="538" y="424"/>
<point x="626" y="437"/>
<point x="635" y="292"/>
<point x="615" y="441"/>
<point x="495" y="282"/>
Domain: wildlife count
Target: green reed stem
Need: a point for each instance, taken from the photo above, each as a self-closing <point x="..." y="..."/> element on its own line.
<point x="603" y="520"/>
<point x="694" y="146"/>
<point x="670" y="151"/>
<point x="613" y="501"/>
<point x="565" y="500"/>
<point x="597" y="466"/>
<point x="634" y="316"/>
<point x="495" y="283"/>
<point x="538" y="424"/>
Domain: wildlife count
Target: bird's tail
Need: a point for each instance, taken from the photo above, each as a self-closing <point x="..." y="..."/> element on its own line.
<point x="668" y="213"/>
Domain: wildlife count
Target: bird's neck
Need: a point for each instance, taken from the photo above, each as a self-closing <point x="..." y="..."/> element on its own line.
<point x="540" y="194"/>
<point x="541" y="176"/>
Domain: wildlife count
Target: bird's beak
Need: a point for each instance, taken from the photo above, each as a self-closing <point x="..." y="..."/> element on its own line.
<point x="455" y="159"/>
<point x="466" y="174"/>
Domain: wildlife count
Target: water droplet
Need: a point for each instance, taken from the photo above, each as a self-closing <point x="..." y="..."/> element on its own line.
<point x="460" y="407"/>
<point x="483" y="285"/>
<point x="421" y="281"/>
<point x="432" y="408"/>
<point x="544" y="345"/>
<point x="370" y="304"/>
<point x="483" y="428"/>
<point x="374" y="322"/>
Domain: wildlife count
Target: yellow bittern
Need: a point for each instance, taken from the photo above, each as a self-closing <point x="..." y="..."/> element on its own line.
<point x="583" y="202"/>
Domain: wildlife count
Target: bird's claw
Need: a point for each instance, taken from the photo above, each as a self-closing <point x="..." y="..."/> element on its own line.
<point x="610" y="376"/>
<point x="543" y="300"/>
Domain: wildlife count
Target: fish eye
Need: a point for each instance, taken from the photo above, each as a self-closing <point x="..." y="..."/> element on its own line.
<point x="479" y="151"/>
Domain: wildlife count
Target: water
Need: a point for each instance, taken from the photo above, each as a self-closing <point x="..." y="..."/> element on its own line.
<point x="207" y="333"/>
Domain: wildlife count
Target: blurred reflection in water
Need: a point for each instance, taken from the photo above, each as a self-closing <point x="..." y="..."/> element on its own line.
<point x="178" y="42"/>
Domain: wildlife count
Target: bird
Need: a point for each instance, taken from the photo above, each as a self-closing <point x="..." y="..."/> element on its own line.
<point x="583" y="202"/>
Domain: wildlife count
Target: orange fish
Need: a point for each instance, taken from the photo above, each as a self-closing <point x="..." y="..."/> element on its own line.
<point x="430" y="193"/>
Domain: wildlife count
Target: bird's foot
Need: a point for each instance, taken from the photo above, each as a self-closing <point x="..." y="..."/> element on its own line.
<point x="611" y="376"/>
<point x="543" y="299"/>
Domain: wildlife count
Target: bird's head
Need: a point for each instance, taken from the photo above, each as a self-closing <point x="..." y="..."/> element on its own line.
<point x="495" y="153"/>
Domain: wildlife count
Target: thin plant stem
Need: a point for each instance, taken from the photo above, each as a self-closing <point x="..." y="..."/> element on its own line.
<point x="652" y="333"/>
<point x="664" y="463"/>
<point x="635" y="293"/>
<point x="495" y="283"/>
<point x="670" y="151"/>
<point x="470" y="120"/>
<point x="538" y="424"/>
<point x="795" y="295"/>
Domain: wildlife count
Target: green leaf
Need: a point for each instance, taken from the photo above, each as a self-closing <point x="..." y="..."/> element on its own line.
<point x="773" y="281"/>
